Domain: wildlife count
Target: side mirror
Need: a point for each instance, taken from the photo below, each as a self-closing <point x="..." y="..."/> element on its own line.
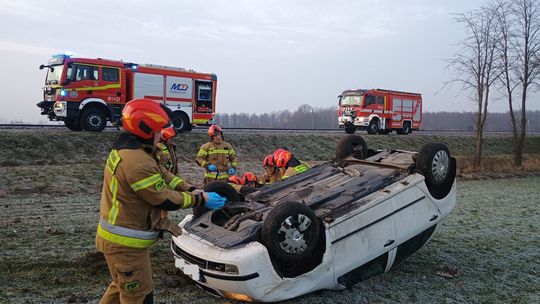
<point x="41" y="67"/>
<point x="52" y="69"/>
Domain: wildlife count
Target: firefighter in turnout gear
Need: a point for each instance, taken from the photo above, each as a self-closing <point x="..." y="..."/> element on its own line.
<point x="166" y="156"/>
<point x="272" y="173"/>
<point x="166" y="152"/>
<point x="290" y="164"/>
<point x="217" y="157"/>
<point x="135" y="190"/>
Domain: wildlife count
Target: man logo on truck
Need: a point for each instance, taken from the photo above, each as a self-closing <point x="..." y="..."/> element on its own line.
<point x="179" y="87"/>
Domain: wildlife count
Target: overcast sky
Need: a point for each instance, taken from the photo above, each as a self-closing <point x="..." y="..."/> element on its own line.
<point x="268" y="55"/>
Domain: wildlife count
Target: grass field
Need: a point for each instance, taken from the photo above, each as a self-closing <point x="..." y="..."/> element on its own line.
<point x="49" y="198"/>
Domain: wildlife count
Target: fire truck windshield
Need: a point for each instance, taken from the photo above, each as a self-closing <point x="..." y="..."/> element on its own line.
<point x="53" y="77"/>
<point x="351" y="100"/>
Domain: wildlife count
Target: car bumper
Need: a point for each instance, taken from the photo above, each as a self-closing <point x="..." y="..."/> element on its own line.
<point x="256" y="280"/>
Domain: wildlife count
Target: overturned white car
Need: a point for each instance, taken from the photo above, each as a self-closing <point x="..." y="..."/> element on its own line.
<point x="327" y="228"/>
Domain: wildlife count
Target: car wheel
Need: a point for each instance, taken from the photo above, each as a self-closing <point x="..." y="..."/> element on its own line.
<point x="352" y="145"/>
<point x="220" y="188"/>
<point x="290" y="232"/>
<point x="180" y="121"/>
<point x="434" y="163"/>
<point x="93" y="120"/>
<point x="73" y="125"/>
<point x="350" y="129"/>
<point x="373" y="127"/>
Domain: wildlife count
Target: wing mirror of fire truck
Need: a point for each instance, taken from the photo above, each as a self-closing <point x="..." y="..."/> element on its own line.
<point x="41" y="67"/>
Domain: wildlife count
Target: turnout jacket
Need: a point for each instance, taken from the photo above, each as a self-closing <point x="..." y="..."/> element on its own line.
<point x="220" y="154"/>
<point x="135" y="189"/>
<point x="295" y="169"/>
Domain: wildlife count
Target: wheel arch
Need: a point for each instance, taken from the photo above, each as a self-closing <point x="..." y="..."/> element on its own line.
<point x="96" y="103"/>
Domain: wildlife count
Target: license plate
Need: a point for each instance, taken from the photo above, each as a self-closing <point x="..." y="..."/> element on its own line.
<point x="188" y="269"/>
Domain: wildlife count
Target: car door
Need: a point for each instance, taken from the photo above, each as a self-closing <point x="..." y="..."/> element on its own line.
<point x="363" y="237"/>
<point x="415" y="217"/>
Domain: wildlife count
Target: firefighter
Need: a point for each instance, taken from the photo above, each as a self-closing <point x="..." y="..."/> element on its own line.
<point x="290" y="164"/>
<point x="166" y="152"/>
<point x="271" y="173"/>
<point x="217" y="157"/>
<point x="250" y="180"/>
<point x="134" y="191"/>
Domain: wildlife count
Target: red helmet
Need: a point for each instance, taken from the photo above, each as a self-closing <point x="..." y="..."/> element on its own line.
<point x="168" y="133"/>
<point x="249" y="177"/>
<point x="143" y="117"/>
<point x="236" y="180"/>
<point x="269" y="161"/>
<point x="283" y="158"/>
<point x="276" y="153"/>
<point x="214" y="130"/>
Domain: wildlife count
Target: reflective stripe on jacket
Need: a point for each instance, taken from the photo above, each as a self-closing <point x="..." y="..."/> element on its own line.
<point x="292" y="171"/>
<point x="134" y="191"/>
<point x="222" y="155"/>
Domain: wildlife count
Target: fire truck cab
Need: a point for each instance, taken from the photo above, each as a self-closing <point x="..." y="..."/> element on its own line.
<point x="86" y="93"/>
<point x="379" y="111"/>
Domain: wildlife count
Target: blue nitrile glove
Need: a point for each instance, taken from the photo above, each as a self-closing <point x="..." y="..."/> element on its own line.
<point x="232" y="171"/>
<point x="215" y="201"/>
<point x="212" y="168"/>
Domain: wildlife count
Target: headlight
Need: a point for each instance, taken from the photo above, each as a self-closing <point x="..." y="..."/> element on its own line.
<point x="59" y="106"/>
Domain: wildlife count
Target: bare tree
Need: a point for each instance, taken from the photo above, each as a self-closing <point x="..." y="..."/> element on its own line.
<point x="507" y="59"/>
<point x="526" y="46"/>
<point x="473" y="66"/>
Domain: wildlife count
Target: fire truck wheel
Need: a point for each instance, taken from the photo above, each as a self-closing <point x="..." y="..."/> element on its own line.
<point x="406" y="129"/>
<point x="73" y="125"/>
<point x="350" y="129"/>
<point x="93" y="120"/>
<point x="373" y="126"/>
<point x="180" y="121"/>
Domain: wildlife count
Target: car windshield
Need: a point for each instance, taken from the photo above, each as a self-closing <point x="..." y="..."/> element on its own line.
<point x="53" y="77"/>
<point x="351" y="100"/>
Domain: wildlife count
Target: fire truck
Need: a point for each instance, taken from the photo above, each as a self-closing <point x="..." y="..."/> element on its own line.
<point x="380" y="111"/>
<point x="86" y="93"/>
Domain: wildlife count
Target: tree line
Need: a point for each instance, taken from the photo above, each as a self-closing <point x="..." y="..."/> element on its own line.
<point x="307" y="117"/>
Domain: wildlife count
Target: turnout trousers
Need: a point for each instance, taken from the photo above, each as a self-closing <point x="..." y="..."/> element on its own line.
<point x="131" y="273"/>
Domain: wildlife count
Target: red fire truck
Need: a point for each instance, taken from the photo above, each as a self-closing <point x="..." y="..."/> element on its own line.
<point x="379" y="111"/>
<point x="86" y="93"/>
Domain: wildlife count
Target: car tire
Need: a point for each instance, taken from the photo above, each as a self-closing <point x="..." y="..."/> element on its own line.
<point x="180" y="121"/>
<point x="73" y="125"/>
<point x="290" y="232"/>
<point x="220" y="188"/>
<point x="350" y="129"/>
<point x="352" y="145"/>
<point x="93" y="120"/>
<point x="434" y="162"/>
<point x="373" y="127"/>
